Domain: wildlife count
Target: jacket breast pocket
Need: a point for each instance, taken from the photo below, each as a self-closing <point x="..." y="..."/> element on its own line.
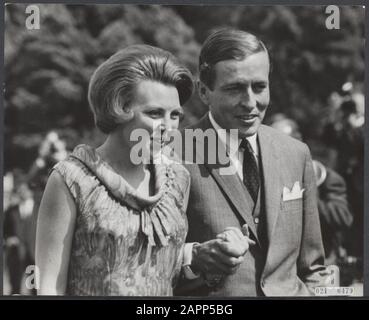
<point x="292" y="205"/>
<point x="291" y="220"/>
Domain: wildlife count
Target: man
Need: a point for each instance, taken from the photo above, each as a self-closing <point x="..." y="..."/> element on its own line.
<point x="272" y="196"/>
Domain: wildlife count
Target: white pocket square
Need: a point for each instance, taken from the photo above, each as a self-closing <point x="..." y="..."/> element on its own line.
<point x="293" y="194"/>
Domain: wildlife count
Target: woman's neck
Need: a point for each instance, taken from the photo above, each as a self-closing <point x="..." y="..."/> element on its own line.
<point x="117" y="155"/>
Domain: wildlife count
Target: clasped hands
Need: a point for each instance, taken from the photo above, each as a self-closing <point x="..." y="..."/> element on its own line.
<point x="223" y="255"/>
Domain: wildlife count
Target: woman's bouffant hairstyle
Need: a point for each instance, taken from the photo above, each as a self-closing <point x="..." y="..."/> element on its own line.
<point x="112" y="85"/>
<point x="226" y="44"/>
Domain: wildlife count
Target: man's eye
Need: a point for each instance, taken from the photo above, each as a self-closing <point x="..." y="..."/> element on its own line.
<point x="233" y="89"/>
<point x="258" y="87"/>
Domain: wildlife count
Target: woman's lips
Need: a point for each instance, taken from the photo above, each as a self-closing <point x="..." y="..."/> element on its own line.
<point x="158" y="138"/>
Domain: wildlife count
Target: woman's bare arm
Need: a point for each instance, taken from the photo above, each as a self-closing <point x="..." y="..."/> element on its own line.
<point x="55" y="228"/>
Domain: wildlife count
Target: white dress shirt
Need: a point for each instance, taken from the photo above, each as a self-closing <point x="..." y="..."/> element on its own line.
<point x="236" y="158"/>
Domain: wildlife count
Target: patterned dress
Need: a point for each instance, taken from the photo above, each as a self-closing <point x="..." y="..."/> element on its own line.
<point x="123" y="243"/>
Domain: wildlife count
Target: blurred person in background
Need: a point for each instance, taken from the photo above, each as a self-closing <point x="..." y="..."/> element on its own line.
<point x="108" y="226"/>
<point x="344" y="131"/>
<point x="52" y="150"/>
<point x="335" y="216"/>
<point x="17" y="221"/>
<point x="22" y="197"/>
<point x="8" y="183"/>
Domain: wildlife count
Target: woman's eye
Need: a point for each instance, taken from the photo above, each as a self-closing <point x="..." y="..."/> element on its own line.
<point x="177" y="115"/>
<point x="154" y="113"/>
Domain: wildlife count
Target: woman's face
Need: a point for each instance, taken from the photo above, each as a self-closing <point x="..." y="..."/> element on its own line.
<point x="155" y="107"/>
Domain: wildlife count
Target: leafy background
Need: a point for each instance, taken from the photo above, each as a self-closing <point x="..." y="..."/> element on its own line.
<point x="47" y="70"/>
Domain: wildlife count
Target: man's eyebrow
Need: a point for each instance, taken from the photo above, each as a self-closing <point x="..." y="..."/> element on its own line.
<point x="261" y="80"/>
<point x="243" y="83"/>
<point x="234" y="84"/>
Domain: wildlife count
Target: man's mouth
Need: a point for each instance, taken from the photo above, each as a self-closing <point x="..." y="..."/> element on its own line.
<point x="247" y="117"/>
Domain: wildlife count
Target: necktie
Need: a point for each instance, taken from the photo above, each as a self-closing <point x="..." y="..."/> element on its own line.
<point x="250" y="170"/>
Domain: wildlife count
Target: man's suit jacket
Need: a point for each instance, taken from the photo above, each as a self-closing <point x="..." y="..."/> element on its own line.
<point x="291" y="259"/>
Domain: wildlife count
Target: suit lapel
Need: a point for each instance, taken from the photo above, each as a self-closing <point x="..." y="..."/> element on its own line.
<point x="232" y="186"/>
<point x="272" y="183"/>
<point x="238" y="196"/>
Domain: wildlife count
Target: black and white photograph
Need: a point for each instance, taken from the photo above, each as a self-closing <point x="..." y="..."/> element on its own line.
<point x="183" y="150"/>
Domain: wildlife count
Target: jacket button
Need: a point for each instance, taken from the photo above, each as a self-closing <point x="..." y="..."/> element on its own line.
<point x="256" y="220"/>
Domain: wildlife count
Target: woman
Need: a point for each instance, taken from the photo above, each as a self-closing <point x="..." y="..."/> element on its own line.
<point x="108" y="226"/>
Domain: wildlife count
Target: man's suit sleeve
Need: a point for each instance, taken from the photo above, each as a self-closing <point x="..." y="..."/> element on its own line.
<point x="310" y="263"/>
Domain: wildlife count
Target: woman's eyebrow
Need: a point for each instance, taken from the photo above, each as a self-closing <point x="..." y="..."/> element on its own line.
<point x="153" y="106"/>
<point x="180" y="109"/>
<point x="162" y="109"/>
<point x="165" y="107"/>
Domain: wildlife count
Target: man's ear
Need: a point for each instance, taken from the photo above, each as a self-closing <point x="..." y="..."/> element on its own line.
<point x="203" y="91"/>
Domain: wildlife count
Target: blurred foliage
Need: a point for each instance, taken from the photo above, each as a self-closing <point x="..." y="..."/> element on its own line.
<point x="47" y="70"/>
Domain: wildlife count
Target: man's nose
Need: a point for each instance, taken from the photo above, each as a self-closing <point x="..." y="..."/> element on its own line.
<point x="248" y="99"/>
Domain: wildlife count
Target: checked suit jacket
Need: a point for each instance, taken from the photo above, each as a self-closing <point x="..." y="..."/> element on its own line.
<point x="288" y="258"/>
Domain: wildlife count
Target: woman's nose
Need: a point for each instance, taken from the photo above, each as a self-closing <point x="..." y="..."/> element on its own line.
<point x="169" y="123"/>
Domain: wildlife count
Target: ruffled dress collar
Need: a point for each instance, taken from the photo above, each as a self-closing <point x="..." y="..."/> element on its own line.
<point x="126" y="194"/>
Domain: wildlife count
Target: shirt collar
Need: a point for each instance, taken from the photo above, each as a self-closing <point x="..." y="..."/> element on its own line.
<point x="223" y="135"/>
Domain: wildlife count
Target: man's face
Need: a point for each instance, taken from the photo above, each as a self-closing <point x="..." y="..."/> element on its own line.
<point x="240" y="95"/>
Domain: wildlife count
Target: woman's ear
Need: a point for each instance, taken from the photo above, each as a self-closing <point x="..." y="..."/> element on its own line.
<point x="124" y="114"/>
<point x="203" y="91"/>
<point x="127" y="110"/>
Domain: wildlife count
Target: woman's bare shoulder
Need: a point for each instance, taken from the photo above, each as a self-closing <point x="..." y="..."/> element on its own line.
<point x="57" y="196"/>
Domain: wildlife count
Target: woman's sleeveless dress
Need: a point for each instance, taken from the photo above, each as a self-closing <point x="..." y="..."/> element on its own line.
<point x="124" y="244"/>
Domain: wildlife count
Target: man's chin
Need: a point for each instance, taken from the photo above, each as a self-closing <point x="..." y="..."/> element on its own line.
<point x="244" y="133"/>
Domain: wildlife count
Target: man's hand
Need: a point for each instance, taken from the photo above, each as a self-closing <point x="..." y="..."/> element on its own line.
<point x="223" y="255"/>
<point x="210" y="257"/>
<point x="236" y="243"/>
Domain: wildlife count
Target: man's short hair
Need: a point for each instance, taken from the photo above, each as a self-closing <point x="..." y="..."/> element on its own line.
<point x="113" y="83"/>
<point x="226" y="44"/>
